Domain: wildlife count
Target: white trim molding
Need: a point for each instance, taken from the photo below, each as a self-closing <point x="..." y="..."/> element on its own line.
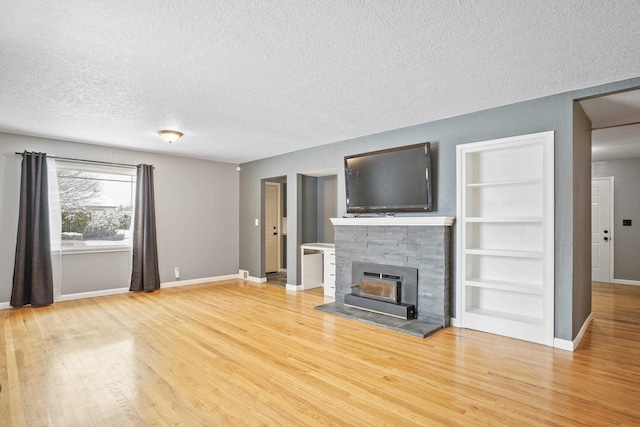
<point x="573" y="345"/>
<point x="93" y="294"/>
<point x="625" y="282"/>
<point x="244" y="275"/>
<point x="116" y="291"/>
<point x="446" y="221"/>
<point x="198" y="281"/>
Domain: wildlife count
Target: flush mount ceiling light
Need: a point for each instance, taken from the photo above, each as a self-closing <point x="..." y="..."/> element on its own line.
<point x="170" y="135"/>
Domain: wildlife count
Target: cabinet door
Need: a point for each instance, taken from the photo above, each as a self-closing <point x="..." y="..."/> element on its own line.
<point x="505" y="275"/>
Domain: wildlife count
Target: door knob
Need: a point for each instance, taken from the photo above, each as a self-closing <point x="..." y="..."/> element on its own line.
<point x="606" y="231"/>
<point x="606" y="239"/>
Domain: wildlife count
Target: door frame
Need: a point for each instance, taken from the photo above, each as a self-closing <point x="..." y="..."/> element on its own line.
<point x="612" y="223"/>
<point x="278" y="224"/>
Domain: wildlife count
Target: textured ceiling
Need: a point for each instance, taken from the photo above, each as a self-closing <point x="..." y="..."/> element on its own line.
<point x="251" y="79"/>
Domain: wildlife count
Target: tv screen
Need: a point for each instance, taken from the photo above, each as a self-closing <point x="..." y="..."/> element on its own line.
<point x="393" y="180"/>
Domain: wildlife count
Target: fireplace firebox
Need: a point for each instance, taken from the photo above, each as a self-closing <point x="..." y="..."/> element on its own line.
<point x="384" y="289"/>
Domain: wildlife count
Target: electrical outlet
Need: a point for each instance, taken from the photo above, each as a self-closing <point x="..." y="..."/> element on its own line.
<point x="177" y="271"/>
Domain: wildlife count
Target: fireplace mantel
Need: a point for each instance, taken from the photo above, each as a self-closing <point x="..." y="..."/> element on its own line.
<point x="446" y="221"/>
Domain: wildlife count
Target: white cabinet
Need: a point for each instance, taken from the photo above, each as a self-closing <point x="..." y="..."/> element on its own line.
<point x="318" y="262"/>
<point x="505" y="237"/>
<point x="329" y="273"/>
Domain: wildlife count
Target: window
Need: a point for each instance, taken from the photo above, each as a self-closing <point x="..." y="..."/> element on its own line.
<point x="96" y="205"/>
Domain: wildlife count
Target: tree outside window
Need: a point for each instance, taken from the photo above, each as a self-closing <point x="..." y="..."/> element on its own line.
<point x="96" y="207"/>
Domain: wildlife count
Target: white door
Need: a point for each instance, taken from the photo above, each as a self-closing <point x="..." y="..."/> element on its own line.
<point x="271" y="231"/>
<point x="601" y="233"/>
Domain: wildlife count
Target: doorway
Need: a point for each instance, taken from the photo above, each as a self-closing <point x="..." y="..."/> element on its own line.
<point x="271" y="227"/>
<point x="274" y="230"/>
<point x="615" y="155"/>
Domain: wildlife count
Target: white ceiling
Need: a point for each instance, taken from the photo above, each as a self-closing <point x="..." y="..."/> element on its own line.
<point x="249" y="79"/>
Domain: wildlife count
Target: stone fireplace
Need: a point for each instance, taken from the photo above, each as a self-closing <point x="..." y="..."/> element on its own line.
<point x="420" y="243"/>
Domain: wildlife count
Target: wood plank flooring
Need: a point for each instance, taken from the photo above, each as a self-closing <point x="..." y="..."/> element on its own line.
<point x="241" y="354"/>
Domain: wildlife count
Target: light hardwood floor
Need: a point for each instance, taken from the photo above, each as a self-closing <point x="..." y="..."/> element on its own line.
<point x="235" y="353"/>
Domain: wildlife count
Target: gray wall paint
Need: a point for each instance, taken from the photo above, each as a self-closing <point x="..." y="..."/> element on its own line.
<point x="196" y="203"/>
<point x="319" y="205"/>
<point x="550" y="113"/>
<point x="327" y="207"/>
<point x="91" y="272"/>
<point x="626" y="241"/>
<point x="309" y="196"/>
<point x="582" y="217"/>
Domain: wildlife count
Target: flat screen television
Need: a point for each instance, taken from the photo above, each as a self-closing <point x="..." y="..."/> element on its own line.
<point x="386" y="181"/>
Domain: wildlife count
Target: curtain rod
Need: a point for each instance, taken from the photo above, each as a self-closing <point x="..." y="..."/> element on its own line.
<point x="94" y="162"/>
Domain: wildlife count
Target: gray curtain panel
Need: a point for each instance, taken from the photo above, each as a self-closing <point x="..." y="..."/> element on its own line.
<point x="32" y="273"/>
<point x="145" y="275"/>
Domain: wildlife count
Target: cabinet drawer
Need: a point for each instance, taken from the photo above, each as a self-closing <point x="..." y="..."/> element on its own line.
<point x="329" y="273"/>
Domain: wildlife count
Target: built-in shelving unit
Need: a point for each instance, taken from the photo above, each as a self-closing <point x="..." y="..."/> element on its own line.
<point x="505" y="278"/>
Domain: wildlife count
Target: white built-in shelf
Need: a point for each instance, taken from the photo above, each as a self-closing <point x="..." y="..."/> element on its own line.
<point x="505" y="219"/>
<point x="505" y="236"/>
<point x="525" y="288"/>
<point x="505" y="253"/>
<point x="504" y="183"/>
<point x="506" y="316"/>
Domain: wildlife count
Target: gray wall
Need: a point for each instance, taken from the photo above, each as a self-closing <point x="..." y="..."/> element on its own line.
<point x="196" y="208"/>
<point x="319" y="203"/>
<point x="309" y="207"/>
<point x="582" y="217"/>
<point x="550" y="113"/>
<point x="626" y="241"/>
<point x="327" y="207"/>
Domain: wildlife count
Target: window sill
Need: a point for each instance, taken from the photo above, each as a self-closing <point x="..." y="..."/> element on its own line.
<point x="96" y="249"/>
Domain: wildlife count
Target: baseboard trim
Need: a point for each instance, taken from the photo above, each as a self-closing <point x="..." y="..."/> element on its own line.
<point x="102" y="293"/>
<point x="454" y="322"/>
<point x="197" y="281"/>
<point x="625" y="282"/>
<point x="294" y="288"/>
<point x="116" y="291"/>
<point x="573" y="345"/>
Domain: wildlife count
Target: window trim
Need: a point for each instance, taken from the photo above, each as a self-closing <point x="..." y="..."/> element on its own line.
<point x="74" y="250"/>
<point x="82" y="166"/>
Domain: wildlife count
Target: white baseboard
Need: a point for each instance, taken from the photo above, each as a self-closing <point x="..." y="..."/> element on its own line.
<point x="244" y="274"/>
<point x="197" y="281"/>
<point x="116" y="291"/>
<point x="294" y="288"/>
<point x="572" y="345"/>
<point x="557" y="342"/>
<point x="81" y="295"/>
<point x="625" y="282"/>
